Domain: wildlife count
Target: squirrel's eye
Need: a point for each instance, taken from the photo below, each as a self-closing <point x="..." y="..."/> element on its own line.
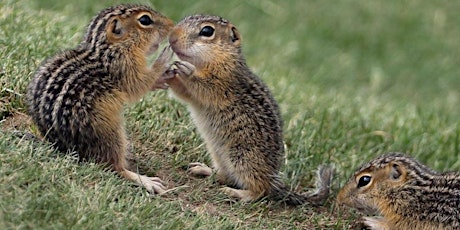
<point x="145" y="20"/>
<point x="363" y="181"/>
<point x="207" y="31"/>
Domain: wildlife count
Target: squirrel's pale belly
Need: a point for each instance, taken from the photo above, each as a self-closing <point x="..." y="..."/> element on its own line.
<point x="216" y="146"/>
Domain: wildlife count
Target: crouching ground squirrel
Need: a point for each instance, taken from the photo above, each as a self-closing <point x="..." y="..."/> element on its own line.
<point x="76" y="98"/>
<point x="405" y="193"/>
<point x="234" y="111"/>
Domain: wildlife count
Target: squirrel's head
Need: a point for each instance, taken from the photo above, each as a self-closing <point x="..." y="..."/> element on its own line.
<point x="205" y="40"/>
<point x="376" y="184"/>
<point x="132" y="27"/>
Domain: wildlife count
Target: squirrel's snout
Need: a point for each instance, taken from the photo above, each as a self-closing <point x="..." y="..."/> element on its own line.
<point x="176" y="35"/>
<point x="172" y="40"/>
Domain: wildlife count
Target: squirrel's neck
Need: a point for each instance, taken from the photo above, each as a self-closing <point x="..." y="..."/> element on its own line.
<point x="228" y="68"/>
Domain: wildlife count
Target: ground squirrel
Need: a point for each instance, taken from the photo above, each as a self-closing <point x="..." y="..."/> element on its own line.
<point x="234" y="111"/>
<point x="76" y="98"/>
<point x="405" y="193"/>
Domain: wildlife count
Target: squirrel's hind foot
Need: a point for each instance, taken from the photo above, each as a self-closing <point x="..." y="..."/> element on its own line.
<point x="154" y="185"/>
<point x="199" y="169"/>
<point x="242" y="195"/>
<point x="376" y="223"/>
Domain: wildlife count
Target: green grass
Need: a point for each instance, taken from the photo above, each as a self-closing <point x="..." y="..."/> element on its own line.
<point x="354" y="79"/>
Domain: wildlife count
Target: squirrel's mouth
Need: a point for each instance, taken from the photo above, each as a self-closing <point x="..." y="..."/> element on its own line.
<point x="184" y="56"/>
<point x="181" y="55"/>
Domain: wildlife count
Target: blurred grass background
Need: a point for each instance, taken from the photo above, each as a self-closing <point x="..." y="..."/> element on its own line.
<point x="354" y="79"/>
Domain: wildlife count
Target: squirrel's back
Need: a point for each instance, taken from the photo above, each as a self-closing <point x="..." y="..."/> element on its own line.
<point x="63" y="98"/>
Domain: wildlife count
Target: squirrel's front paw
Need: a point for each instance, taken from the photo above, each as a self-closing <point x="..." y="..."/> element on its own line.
<point x="184" y="68"/>
<point x="163" y="60"/>
<point x="162" y="82"/>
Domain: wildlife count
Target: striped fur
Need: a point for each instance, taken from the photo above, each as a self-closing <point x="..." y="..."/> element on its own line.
<point x="76" y="98"/>
<point x="417" y="198"/>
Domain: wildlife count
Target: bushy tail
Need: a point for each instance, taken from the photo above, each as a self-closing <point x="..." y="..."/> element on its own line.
<point x="316" y="197"/>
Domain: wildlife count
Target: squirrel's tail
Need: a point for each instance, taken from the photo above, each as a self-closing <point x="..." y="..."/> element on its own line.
<point x="316" y="197"/>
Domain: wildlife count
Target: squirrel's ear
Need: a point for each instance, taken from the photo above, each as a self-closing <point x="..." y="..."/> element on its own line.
<point x="235" y="36"/>
<point x="396" y="171"/>
<point x="116" y="28"/>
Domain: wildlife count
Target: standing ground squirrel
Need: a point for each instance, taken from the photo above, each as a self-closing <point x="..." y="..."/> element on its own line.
<point x="76" y="98"/>
<point x="234" y="111"/>
<point x="406" y="193"/>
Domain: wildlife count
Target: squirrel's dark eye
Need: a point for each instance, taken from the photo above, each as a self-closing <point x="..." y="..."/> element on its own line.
<point x="363" y="181"/>
<point x="145" y="20"/>
<point x="207" y="31"/>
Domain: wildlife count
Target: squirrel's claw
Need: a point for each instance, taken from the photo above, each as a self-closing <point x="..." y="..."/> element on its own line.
<point x="184" y="68"/>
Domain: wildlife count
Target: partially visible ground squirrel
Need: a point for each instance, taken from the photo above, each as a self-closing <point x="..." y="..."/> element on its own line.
<point x="234" y="111"/>
<point x="405" y="193"/>
<point x="76" y="98"/>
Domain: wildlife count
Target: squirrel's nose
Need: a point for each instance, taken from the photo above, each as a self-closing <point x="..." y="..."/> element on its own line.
<point x="175" y="36"/>
<point x="172" y="40"/>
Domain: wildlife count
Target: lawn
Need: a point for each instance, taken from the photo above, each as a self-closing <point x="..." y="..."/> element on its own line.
<point x="354" y="79"/>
